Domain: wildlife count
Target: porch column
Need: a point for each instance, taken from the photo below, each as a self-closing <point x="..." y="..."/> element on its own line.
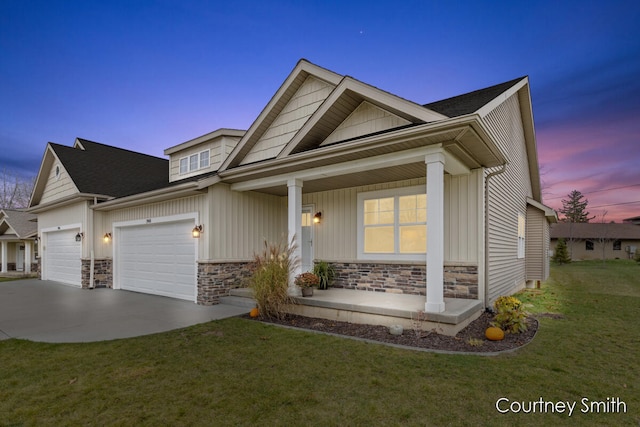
<point x="27" y="256"/>
<point x="294" y="214"/>
<point x="435" y="233"/>
<point x="4" y="257"/>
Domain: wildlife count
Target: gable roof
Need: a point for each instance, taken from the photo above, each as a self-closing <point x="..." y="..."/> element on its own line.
<point x="22" y="223"/>
<point x="470" y="102"/>
<point x="105" y="170"/>
<point x="595" y="230"/>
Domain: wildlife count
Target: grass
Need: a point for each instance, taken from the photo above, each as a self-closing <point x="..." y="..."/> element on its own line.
<point x="238" y="372"/>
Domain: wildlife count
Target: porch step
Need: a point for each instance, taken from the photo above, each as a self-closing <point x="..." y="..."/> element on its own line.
<point x="241" y="297"/>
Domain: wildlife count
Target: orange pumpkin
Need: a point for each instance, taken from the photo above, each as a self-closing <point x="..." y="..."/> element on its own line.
<point x="494" y="333"/>
<point x="254" y="312"/>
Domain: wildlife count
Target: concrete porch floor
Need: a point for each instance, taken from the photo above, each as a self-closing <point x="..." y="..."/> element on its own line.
<point x="382" y="308"/>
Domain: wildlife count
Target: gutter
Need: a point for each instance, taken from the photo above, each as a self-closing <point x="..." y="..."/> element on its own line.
<point x="486" y="232"/>
<point x="148" y="197"/>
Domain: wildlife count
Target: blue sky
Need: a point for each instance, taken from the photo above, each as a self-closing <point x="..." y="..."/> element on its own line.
<point x="147" y="75"/>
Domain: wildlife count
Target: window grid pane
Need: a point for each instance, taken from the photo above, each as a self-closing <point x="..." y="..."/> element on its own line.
<point x="184" y="165"/>
<point x="193" y="162"/>
<point x="204" y="159"/>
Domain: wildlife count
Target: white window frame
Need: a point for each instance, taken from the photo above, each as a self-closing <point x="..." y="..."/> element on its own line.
<point x="195" y="162"/>
<point x="396" y="193"/>
<point x="522" y="232"/>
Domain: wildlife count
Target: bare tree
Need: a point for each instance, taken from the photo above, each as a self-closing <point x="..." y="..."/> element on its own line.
<point x="15" y="190"/>
<point x="604" y="235"/>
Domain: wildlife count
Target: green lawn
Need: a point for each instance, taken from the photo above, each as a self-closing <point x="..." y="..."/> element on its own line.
<point x="239" y="372"/>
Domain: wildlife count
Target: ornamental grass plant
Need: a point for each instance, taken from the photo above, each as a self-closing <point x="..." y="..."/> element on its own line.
<point x="269" y="280"/>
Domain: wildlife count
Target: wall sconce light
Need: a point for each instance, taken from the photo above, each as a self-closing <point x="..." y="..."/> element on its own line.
<point x="317" y="218"/>
<point x="107" y="237"/>
<point x="79" y="237"/>
<point x="197" y="230"/>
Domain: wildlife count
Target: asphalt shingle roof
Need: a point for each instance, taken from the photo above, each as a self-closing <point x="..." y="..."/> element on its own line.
<point x="470" y="102"/>
<point x="595" y="230"/>
<point x="112" y="171"/>
<point x="23" y="223"/>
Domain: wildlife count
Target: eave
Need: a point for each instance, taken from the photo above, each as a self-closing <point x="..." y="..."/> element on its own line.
<point x="65" y="201"/>
<point x="160" y="195"/>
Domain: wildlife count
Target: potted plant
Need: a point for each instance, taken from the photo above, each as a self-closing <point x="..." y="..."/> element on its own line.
<point x="325" y="273"/>
<point x="306" y="282"/>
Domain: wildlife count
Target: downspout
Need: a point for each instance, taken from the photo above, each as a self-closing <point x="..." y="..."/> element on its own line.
<point x="486" y="232"/>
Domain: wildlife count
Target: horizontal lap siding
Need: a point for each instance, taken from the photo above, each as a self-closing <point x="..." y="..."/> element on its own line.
<point x="535" y="248"/>
<point x="507" y="197"/>
<point x="57" y="188"/>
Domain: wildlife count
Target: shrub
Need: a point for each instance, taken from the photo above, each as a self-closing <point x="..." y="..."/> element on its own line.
<point x="561" y="255"/>
<point x="269" y="280"/>
<point x="510" y="315"/>
<point x="325" y="272"/>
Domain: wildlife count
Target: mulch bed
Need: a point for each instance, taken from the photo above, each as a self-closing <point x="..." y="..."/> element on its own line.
<point x="421" y="339"/>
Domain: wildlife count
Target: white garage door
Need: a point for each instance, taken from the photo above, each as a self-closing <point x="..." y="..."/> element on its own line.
<point x="62" y="257"/>
<point x="158" y="259"/>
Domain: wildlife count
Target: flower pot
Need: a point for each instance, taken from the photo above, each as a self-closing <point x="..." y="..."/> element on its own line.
<point x="307" y="292"/>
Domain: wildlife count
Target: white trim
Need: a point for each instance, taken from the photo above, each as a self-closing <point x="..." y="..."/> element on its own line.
<point x="396" y="193"/>
<point x="62" y="227"/>
<point x="199" y="156"/>
<point x="311" y="209"/>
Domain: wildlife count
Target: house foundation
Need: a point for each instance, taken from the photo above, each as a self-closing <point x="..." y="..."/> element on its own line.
<point x="102" y="273"/>
<point x="216" y="279"/>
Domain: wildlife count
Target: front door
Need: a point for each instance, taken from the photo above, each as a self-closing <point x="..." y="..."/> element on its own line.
<point x="20" y="258"/>
<point x="306" y="240"/>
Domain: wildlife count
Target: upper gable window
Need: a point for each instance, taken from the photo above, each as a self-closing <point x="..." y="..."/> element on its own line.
<point x="194" y="162"/>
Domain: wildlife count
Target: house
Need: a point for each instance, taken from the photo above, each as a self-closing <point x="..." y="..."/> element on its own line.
<point x="440" y="200"/>
<point x="18" y="246"/>
<point x="587" y="241"/>
<point x="634" y="220"/>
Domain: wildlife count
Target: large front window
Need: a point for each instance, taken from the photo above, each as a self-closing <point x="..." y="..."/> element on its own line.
<point x="392" y="224"/>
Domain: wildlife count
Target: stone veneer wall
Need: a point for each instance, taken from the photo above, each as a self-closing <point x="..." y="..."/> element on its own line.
<point x="102" y="273"/>
<point x="216" y="278"/>
<point x="459" y="281"/>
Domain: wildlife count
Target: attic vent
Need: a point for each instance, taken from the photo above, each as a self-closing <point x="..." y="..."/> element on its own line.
<point x="57" y="171"/>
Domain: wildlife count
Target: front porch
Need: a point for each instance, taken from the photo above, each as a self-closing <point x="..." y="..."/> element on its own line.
<point x="383" y="308"/>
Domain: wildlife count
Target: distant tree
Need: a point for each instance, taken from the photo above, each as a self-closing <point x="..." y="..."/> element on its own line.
<point x="574" y="208"/>
<point x="15" y="190"/>
<point x="561" y="255"/>
<point x="604" y="236"/>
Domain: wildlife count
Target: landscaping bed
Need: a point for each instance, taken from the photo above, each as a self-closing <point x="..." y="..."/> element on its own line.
<point x="470" y="339"/>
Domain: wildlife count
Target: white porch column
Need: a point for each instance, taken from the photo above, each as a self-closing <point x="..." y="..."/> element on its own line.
<point x="4" y="257"/>
<point x="27" y="256"/>
<point x="294" y="215"/>
<point x="435" y="232"/>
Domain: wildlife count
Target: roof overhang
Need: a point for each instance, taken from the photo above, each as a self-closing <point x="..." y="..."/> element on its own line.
<point x="549" y="213"/>
<point x="160" y="195"/>
<point x="209" y="136"/>
<point x="465" y="142"/>
<point x="65" y="201"/>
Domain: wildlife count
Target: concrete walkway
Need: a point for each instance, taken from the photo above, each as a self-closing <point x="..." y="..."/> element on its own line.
<point x="47" y="311"/>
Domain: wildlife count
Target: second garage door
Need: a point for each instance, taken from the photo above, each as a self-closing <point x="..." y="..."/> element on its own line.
<point x="158" y="259"/>
<point x="62" y="256"/>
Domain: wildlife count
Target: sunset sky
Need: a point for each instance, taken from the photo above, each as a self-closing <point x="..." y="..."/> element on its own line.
<point x="147" y="75"/>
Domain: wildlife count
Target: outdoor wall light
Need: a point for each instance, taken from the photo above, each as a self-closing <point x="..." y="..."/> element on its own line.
<point x="317" y="218"/>
<point x="107" y="237"/>
<point x="79" y="237"/>
<point x="197" y="230"/>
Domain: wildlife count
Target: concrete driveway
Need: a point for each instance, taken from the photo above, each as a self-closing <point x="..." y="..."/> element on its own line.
<point x="47" y="311"/>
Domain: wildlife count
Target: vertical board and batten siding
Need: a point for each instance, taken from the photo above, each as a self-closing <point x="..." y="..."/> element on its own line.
<point x="336" y="236"/>
<point x="292" y="117"/>
<point x="103" y="221"/>
<point x="534" y="244"/>
<point x="462" y="204"/>
<point x="240" y="222"/>
<point x="364" y="120"/>
<point x="507" y="197"/>
<point x="57" y="188"/>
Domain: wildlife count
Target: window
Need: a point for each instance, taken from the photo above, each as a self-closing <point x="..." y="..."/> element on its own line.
<point x="521" y="235"/>
<point x="194" y="162"/>
<point x="617" y="245"/>
<point x="588" y="245"/>
<point x="392" y="224"/>
<point x="184" y="165"/>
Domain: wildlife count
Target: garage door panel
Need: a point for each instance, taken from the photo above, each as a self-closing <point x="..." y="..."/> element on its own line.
<point x="63" y="257"/>
<point x="158" y="258"/>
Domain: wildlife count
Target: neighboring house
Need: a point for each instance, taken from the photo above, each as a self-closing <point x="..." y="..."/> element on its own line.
<point x="635" y="220"/>
<point x="441" y="199"/>
<point x="18" y="244"/>
<point x="597" y="240"/>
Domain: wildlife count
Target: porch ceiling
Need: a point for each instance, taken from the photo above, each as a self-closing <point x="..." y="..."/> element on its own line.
<point x="375" y="176"/>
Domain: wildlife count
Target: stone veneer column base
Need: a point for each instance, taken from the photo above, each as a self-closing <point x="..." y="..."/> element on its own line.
<point x="102" y="273"/>
<point x="459" y="281"/>
<point x="216" y="278"/>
